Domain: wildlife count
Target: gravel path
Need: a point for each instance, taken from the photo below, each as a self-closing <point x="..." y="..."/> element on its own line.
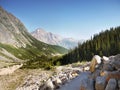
<point x="75" y="83"/>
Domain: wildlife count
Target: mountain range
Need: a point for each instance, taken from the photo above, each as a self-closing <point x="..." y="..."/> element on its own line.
<point x="17" y="44"/>
<point x="54" y="39"/>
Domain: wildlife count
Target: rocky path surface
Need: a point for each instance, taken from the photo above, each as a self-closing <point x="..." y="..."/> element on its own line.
<point x="75" y="83"/>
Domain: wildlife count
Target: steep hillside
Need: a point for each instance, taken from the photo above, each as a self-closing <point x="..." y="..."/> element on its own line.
<point x="53" y="39"/>
<point x="105" y="43"/>
<point x="16" y="43"/>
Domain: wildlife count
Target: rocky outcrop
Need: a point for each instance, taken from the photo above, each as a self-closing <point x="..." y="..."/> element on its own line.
<point x="96" y="60"/>
<point x="115" y="62"/>
<point x="112" y="84"/>
<point x="100" y="83"/>
<point x="95" y="74"/>
<point x="87" y="84"/>
<point x="105" y="71"/>
<point x="12" y="31"/>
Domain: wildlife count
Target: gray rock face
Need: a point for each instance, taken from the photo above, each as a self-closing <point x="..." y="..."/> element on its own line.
<point x="53" y="39"/>
<point x="109" y="72"/>
<point x="108" y="67"/>
<point x="12" y="30"/>
<point x="100" y="83"/>
<point x="115" y="62"/>
<point x="95" y="74"/>
<point x="13" y="33"/>
<point x="46" y="37"/>
<point x="112" y="84"/>
<point x="87" y="84"/>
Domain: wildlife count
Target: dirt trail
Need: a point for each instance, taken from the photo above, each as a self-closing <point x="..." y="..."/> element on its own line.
<point x="75" y="83"/>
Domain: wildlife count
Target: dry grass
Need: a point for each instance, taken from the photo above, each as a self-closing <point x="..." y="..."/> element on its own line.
<point x="11" y="82"/>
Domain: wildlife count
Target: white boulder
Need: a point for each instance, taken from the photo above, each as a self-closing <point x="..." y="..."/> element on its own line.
<point x="105" y="58"/>
<point x="98" y="59"/>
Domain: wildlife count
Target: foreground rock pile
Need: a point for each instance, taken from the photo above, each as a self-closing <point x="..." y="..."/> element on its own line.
<point x="105" y="74"/>
<point x="32" y="82"/>
<point x="44" y="81"/>
<point x="60" y="79"/>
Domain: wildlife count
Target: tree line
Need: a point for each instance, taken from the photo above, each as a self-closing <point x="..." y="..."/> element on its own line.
<point x="105" y="43"/>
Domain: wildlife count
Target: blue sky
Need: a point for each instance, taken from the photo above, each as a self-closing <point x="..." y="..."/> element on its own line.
<point x="79" y="19"/>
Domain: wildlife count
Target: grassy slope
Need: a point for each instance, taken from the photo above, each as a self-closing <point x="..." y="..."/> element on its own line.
<point x="33" y="51"/>
<point x="35" y="55"/>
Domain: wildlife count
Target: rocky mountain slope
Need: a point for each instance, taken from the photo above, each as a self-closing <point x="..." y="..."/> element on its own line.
<point x="53" y="39"/>
<point x="12" y="31"/>
<point x="16" y="43"/>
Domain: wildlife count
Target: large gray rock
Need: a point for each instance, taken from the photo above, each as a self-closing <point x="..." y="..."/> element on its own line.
<point x="100" y="83"/>
<point x="87" y="84"/>
<point x="115" y="61"/>
<point x="57" y="83"/>
<point x="108" y="67"/>
<point x="112" y="85"/>
<point x="95" y="74"/>
<point x="47" y="86"/>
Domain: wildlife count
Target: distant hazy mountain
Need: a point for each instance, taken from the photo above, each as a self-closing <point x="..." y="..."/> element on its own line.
<point x="53" y="39"/>
<point x="16" y="43"/>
